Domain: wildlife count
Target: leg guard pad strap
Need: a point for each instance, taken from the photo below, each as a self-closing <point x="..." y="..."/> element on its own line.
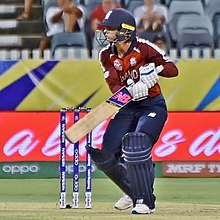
<point x="136" y="147"/>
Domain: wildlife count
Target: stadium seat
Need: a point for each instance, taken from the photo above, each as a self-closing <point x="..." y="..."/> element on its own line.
<point x="194" y="22"/>
<point x="47" y="4"/>
<point x="195" y="38"/>
<point x="68" y="39"/>
<point x="167" y="2"/>
<point x="212" y="8"/>
<point x="206" y="2"/>
<point x="217" y="28"/>
<point x="178" y="8"/>
<point x="213" y="11"/>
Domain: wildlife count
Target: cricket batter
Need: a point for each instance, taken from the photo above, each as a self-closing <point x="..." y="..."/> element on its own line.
<point x="125" y="156"/>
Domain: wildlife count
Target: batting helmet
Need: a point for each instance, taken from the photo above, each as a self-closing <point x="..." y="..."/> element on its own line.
<point x="122" y="20"/>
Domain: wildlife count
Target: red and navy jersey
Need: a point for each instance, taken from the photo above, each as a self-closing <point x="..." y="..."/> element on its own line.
<point x="117" y="70"/>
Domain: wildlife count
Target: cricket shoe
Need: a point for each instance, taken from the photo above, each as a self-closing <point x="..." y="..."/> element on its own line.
<point x="142" y="209"/>
<point x="125" y="202"/>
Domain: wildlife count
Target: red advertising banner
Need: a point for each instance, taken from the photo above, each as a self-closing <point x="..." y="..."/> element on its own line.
<point x="35" y="136"/>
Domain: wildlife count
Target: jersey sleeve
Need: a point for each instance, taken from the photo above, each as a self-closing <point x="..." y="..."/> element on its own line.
<point x="154" y="55"/>
<point x="109" y="71"/>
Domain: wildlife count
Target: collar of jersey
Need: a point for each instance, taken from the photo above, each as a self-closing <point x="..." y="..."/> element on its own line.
<point x="133" y="44"/>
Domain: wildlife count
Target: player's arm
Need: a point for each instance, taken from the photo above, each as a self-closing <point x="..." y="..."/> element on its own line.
<point x="70" y="7"/>
<point x="170" y="70"/>
<point x="159" y="58"/>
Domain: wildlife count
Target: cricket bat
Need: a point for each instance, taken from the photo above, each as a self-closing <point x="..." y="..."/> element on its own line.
<point x="98" y="115"/>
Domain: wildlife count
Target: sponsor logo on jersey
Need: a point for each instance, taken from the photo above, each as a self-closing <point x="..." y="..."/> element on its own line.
<point x="130" y="74"/>
<point x="133" y="61"/>
<point x="117" y="65"/>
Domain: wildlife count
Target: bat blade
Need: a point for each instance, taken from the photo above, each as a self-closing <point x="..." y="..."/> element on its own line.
<point x="98" y="115"/>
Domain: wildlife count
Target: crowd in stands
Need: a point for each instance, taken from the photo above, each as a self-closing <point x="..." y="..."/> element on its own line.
<point x="157" y="20"/>
<point x="62" y="17"/>
<point x="150" y="16"/>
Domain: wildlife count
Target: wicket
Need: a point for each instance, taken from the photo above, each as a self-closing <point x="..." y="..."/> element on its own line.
<point x="76" y="174"/>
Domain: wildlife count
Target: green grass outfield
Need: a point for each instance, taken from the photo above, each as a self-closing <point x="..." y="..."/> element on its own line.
<point x="177" y="199"/>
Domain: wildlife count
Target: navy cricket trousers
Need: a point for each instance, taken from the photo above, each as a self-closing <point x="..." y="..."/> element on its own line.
<point x="147" y="116"/>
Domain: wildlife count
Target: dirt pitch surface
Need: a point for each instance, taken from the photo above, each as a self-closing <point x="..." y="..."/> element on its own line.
<point x="177" y="199"/>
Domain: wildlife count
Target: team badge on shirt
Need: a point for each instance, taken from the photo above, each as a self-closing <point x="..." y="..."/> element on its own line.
<point x="133" y="61"/>
<point x="117" y="65"/>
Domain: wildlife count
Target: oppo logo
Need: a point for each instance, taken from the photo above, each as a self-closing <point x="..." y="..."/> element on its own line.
<point x="82" y="168"/>
<point x="20" y="169"/>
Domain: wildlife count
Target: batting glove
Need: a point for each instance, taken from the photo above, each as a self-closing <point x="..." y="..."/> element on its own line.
<point x="149" y="74"/>
<point x="138" y="90"/>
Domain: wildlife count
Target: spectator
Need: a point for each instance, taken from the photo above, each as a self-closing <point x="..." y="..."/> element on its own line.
<point x="150" y="16"/>
<point x="64" y="17"/>
<point x="161" y="41"/>
<point x="99" y="12"/>
<point x="27" y="13"/>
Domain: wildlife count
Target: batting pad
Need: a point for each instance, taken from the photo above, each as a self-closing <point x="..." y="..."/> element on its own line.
<point x="112" y="167"/>
<point x="137" y="154"/>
